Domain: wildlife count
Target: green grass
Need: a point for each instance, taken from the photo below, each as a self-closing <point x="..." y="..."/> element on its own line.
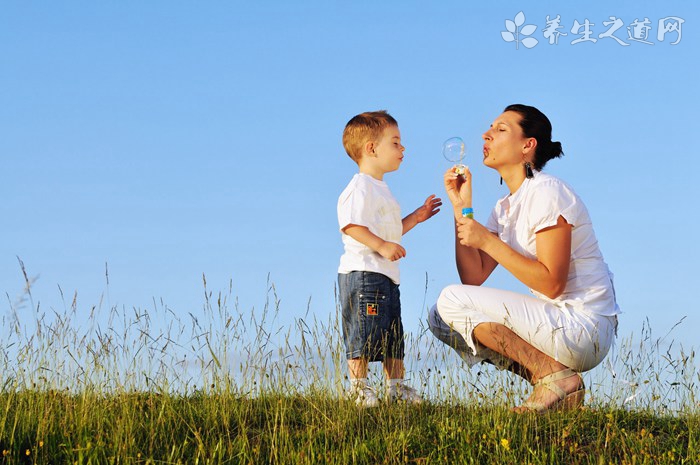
<point x="317" y="428"/>
<point x="130" y="385"/>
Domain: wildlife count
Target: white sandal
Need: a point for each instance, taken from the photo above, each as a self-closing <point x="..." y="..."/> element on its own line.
<point x="566" y="401"/>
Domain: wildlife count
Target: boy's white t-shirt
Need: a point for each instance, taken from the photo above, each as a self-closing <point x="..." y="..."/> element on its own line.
<point x="368" y="202"/>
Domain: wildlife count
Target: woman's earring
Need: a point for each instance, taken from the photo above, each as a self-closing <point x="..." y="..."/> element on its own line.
<point x="528" y="170"/>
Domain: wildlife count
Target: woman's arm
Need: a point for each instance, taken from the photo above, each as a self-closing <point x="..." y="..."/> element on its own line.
<point x="473" y="265"/>
<point x="547" y="274"/>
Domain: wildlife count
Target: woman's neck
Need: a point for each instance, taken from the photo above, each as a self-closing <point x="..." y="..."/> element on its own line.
<point x="513" y="178"/>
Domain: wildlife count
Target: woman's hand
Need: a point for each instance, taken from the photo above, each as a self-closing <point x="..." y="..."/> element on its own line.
<point x="471" y="233"/>
<point x="459" y="189"/>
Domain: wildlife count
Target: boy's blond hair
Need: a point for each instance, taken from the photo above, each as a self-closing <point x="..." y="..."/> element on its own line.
<point x="365" y="127"/>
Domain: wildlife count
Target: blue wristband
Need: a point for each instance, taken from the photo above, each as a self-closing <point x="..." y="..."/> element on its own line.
<point x="468" y="212"/>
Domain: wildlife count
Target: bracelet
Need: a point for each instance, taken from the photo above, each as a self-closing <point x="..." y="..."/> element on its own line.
<point x="468" y="212"/>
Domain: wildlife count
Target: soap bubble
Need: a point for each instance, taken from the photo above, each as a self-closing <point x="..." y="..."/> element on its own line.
<point x="453" y="150"/>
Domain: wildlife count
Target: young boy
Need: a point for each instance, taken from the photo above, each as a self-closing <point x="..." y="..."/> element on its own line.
<point x="368" y="275"/>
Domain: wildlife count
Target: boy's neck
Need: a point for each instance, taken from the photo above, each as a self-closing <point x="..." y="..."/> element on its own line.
<point x="378" y="175"/>
<point x="369" y="168"/>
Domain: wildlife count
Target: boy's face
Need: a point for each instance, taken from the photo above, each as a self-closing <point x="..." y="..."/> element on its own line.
<point x="388" y="151"/>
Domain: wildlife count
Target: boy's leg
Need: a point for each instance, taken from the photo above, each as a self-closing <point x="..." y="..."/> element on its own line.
<point x="394" y="352"/>
<point x="396" y="389"/>
<point x="352" y="288"/>
<point x="357" y="368"/>
<point x="393" y="368"/>
<point x="360" y="392"/>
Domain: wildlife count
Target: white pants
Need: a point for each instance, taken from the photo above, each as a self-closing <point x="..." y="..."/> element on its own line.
<point x="576" y="339"/>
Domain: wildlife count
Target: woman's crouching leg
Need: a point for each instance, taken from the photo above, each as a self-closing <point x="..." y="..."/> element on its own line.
<point x="452" y="320"/>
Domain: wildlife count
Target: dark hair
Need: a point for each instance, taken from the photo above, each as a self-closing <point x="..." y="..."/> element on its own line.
<point x="535" y="124"/>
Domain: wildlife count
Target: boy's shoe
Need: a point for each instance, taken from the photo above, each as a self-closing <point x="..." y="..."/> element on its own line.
<point x="403" y="393"/>
<point x="363" y="396"/>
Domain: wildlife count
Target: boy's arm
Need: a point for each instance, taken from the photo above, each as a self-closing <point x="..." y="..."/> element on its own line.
<point x="389" y="250"/>
<point x="429" y="208"/>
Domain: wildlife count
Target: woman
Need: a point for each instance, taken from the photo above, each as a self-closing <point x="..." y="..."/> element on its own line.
<point x="541" y="232"/>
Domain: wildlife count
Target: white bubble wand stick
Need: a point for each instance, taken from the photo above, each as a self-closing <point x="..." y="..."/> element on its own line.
<point x="453" y="151"/>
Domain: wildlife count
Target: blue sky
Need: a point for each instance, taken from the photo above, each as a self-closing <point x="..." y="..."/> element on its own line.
<point x="167" y="140"/>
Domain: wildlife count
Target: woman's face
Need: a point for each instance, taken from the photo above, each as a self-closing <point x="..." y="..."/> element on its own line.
<point x="504" y="141"/>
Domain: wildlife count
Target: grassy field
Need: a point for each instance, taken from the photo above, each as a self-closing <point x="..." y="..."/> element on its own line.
<point x="128" y="385"/>
<point x="50" y="427"/>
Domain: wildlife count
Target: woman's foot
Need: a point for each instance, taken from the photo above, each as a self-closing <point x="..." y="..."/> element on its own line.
<point x="562" y="390"/>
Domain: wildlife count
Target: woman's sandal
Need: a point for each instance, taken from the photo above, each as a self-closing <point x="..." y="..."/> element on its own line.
<point x="570" y="401"/>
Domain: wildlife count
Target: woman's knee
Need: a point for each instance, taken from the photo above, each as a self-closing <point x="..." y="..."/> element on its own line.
<point x="450" y="298"/>
<point x="434" y="319"/>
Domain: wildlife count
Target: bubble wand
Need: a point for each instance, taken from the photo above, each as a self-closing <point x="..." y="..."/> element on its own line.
<point x="453" y="151"/>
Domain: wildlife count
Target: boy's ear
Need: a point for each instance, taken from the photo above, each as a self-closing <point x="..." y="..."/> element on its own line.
<point x="369" y="147"/>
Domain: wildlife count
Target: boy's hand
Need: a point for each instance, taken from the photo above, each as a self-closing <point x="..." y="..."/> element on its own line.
<point x="429" y="208"/>
<point x="391" y="251"/>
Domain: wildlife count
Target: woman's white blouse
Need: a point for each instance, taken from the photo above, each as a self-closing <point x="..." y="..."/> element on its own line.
<point x="537" y="205"/>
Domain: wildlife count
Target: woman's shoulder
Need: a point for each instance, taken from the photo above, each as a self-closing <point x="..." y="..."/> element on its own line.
<point x="543" y="178"/>
<point x="546" y="181"/>
<point x="552" y="195"/>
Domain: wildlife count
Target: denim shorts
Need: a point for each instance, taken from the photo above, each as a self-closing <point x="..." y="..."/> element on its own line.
<point x="371" y="309"/>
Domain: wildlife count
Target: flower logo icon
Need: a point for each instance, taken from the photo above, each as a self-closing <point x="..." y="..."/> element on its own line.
<point x="514" y="32"/>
